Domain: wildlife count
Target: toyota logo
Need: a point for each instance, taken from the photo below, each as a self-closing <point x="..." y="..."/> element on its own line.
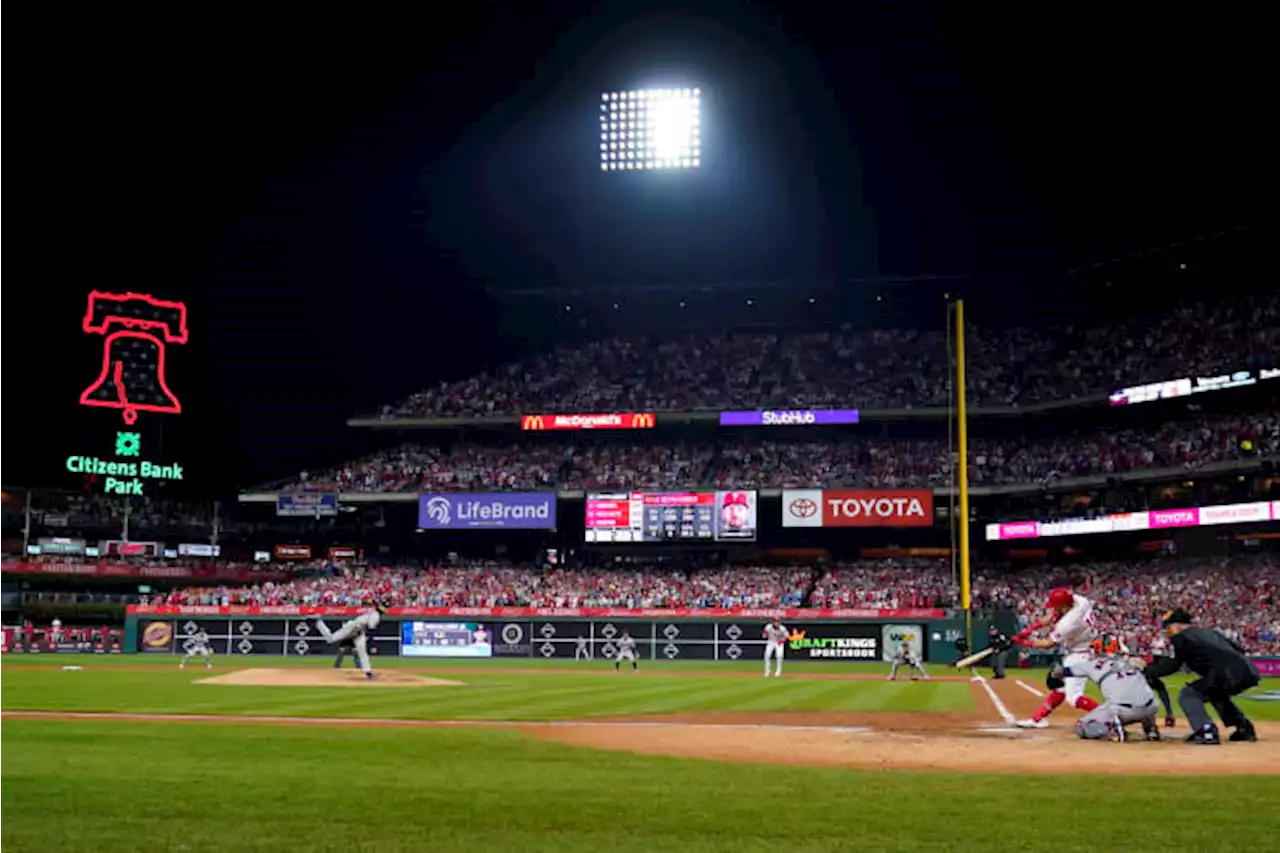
<point x="803" y="508"/>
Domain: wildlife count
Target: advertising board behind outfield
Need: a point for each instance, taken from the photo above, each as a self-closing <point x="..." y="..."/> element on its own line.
<point x="487" y="511"/>
<point x="857" y="508"/>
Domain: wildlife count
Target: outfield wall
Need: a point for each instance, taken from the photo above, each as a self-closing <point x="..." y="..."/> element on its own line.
<point x="522" y="633"/>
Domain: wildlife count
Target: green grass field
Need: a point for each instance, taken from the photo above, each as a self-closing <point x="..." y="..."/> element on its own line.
<point x="88" y="785"/>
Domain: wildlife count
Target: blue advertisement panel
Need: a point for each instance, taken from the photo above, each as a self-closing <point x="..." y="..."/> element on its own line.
<point x="445" y="640"/>
<point x="307" y="505"/>
<point x="487" y="511"/>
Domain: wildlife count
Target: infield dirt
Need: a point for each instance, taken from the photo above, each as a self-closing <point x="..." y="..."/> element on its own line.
<point x="299" y="677"/>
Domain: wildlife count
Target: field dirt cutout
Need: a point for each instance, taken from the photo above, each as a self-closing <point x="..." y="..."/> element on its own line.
<point x="918" y="741"/>
<point x="307" y="677"/>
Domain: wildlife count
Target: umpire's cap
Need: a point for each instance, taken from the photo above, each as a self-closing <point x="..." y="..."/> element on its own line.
<point x="1176" y="616"/>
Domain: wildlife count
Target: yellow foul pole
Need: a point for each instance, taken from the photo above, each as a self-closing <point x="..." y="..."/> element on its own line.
<point x="962" y="418"/>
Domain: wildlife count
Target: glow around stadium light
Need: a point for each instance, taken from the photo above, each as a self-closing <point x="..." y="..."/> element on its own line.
<point x="650" y="129"/>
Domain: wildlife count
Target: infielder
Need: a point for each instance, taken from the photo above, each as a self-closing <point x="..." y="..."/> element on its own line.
<point x="626" y="651"/>
<point x="905" y="657"/>
<point x="199" y="646"/>
<point x="356" y="631"/>
<point x="1073" y="630"/>
<point x="1126" y="698"/>
<point x="581" y="651"/>
<point x="775" y="644"/>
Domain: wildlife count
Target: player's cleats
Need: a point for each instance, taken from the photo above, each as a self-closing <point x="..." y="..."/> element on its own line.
<point x="1115" y="730"/>
<point x="1207" y="736"/>
<point x="1149" y="730"/>
<point x="1244" y="734"/>
<point x="1032" y="724"/>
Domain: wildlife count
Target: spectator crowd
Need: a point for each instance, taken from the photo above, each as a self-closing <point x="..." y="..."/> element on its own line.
<point x="837" y="461"/>
<point x="876" y="369"/>
<point x="1240" y="596"/>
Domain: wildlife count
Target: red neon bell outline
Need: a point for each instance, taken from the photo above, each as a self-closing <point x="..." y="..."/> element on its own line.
<point x="92" y="326"/>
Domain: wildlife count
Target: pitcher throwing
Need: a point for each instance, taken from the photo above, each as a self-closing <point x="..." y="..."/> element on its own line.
<point x="356" y="633"/>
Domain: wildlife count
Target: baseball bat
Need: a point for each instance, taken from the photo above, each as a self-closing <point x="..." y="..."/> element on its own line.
<point x="976" y="657"/>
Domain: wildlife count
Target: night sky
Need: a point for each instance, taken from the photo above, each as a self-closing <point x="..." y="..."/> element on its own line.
<point x="351" y="205"/>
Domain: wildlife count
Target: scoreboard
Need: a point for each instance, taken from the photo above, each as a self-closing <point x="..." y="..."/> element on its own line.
<point x="726" y="516"/>
<point x="445" y="640"/>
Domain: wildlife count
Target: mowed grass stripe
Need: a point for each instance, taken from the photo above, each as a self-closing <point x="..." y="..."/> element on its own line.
<point x="239" y="789"/>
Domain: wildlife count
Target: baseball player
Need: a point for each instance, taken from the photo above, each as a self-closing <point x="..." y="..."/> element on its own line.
<point x="1073" y="631"/>
<point x="199" y="646"/>
<point x="346" y="647"/>
<point x="775" y="644"/>
<point x="581" y="651"/>
<point x="905" y="657"/>
<point x="626" y="651"/>
<point x="357" y="632"/>
<point x="1126" y="698"/>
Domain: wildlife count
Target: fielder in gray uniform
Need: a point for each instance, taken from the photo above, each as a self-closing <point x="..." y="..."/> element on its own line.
<point x="1126" y="698"/>
<point x="626" y="651"/>
<point x="199" y="646"/>
<point x="905" y="657"/>
<point x="356" y="632"/>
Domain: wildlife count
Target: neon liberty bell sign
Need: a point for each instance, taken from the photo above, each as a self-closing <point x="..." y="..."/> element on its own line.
<point x="137" y="329"/>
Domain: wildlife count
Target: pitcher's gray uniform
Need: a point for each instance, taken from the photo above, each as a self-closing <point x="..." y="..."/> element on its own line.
<point x="1126" y="698"/>
<point x="626" y="651"/>
<point x="905" y="657"/>
<point x="199" y="646"/>
<point x="356" y="631"/>
<point x="775" y="644"/>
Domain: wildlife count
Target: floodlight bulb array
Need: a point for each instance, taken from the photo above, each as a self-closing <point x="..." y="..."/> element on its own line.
<point x="650" y="129"/>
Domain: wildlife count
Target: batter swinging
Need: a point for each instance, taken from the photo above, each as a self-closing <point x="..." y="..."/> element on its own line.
<point x="1073" y="630"/>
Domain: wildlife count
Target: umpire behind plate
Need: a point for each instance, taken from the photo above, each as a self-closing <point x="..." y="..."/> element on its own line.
<point x="1224" y="672"/>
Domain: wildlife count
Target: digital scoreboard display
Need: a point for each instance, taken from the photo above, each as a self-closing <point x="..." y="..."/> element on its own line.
<point x="728" y="516"/>
<point x="445" y="640"/>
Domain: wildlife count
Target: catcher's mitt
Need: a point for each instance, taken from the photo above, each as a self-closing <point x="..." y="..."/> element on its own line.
<point x="1054" y="679"/>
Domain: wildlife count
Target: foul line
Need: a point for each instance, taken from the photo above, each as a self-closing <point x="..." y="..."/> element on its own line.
<point x="228" y="719"/>
<point x="995" y="700"/>
<point x="1029" y="688"/>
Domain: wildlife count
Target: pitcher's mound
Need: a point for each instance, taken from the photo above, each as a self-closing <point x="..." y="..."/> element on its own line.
<point x="308" y="677"/>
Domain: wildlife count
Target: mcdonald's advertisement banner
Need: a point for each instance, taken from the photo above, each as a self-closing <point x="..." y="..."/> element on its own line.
<point x="618" y="420"/>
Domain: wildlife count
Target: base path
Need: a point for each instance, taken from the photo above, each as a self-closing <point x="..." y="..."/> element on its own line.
<point x="317" y="677"/>
<point x="952" y="742"/>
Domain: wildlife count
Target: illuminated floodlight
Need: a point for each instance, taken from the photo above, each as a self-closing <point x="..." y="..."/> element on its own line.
<point x="650" y="129"/>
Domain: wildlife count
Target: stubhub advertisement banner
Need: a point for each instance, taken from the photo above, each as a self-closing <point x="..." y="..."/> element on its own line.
<point x="487" y="511"/>
<point x="790" y="417"/>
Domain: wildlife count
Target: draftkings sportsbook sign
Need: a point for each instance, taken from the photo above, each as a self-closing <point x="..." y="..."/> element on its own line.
<point x="834" y="641"/>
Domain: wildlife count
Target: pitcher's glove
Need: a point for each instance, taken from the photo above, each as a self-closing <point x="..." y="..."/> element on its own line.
<point x="1054" y="680"/>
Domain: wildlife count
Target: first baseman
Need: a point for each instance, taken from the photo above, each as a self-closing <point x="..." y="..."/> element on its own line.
<point x="775" y="644"/>
<point x="356" y="632"/>
<point x="906" y="657"/>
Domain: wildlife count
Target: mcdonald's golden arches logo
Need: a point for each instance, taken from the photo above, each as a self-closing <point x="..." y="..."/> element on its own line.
<point x="533" y="422"/>
<point x="643" y="420"/>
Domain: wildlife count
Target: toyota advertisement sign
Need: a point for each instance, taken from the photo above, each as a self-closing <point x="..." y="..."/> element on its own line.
<point x="857" y="508"/>
<point x="487" y="511"/>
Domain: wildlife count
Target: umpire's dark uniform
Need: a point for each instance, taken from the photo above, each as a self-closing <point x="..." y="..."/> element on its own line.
<point x="1224" y="669"/>
<point x="998" y="641"/>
